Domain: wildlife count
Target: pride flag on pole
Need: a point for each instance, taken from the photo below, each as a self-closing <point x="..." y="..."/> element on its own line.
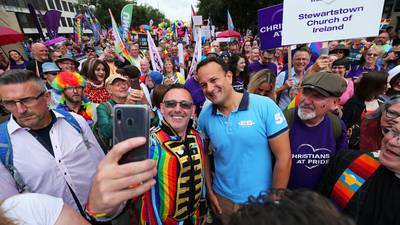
<point x="196" y="56"/>
<point x="230" y="22"/>
<point x="156" y="60"/>
<point x="120" y="47"/>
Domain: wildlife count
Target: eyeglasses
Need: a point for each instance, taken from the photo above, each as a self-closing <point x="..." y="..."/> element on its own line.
<point x="372" y="54"/>
<point x="28" y="101"/>
<point x="183" y="104"/>
<point x="392" y="134"/>
<point x="392" y="114"/>
<point x="73" y="88"/>
<point x="51" y="73"/>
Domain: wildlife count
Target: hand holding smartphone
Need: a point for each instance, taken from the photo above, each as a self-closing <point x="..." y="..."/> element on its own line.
<point x="131" y="121"/>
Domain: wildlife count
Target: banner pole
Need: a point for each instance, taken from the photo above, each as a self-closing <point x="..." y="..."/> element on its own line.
<point x="289" y="62"/>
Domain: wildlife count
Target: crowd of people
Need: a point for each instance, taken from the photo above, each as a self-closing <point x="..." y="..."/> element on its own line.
<point x="232" y="143"/>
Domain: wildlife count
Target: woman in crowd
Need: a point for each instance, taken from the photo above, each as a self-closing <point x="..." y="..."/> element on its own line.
<point x="16" y="60"/>
<point x="171" y="76"/>
<point x="364" y="102"/>
<point x="97" y="73"/>
<point x="240" y="79"/>
<point x="341" y="66"/>
<point x="263" y="83"/>
<point x="368" y="63"/>
<point x="375" y="125"/>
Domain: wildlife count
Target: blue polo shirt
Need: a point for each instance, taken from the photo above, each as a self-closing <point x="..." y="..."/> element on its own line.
<point x="242" y="154"/>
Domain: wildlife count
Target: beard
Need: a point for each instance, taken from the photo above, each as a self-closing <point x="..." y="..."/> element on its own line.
<point x="75" y="99"/>
<point x="305" y="115"/>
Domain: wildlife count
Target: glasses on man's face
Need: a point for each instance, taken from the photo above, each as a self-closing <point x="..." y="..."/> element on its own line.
<point x="173" y="103"/>
<point x="391" y="134"/>
<point x="392" y="114"/>
<point x="70" y="89"/>
<point x="28" y="101"/>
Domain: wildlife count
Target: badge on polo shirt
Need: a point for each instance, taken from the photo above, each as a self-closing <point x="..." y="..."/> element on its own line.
<point x="246" y="123"/>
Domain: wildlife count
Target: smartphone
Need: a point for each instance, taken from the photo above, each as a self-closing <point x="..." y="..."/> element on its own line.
<point x="135" y="83"/>
<point x="131" y="121"/>
<point x="324" y="52"/>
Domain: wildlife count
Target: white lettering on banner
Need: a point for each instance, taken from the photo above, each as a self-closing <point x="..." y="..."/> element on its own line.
<point x="272" y="27"/>
<point x="311" y="157"/>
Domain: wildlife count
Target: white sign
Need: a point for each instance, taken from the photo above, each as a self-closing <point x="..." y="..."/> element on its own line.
<point x="307" y="21"/>
<point x="197" y="20"/>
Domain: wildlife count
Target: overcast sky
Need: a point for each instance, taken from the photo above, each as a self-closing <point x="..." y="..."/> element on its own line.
<point x="173" y="9"/>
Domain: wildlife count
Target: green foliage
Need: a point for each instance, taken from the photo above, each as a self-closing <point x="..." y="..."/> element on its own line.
<point x="243" y="13"/>
<point x="141" y="13"/>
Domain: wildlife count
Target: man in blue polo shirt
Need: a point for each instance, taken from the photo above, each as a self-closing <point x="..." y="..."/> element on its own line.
<point x="244" y="131"/>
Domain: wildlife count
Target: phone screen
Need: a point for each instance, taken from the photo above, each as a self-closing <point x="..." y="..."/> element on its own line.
<point x="131" y="121"/>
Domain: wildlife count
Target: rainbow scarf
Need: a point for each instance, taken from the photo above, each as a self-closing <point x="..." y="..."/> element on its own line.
<point x="86" y="109"/>
<point x="353" y="178"/>
<point x="165" y="203"/>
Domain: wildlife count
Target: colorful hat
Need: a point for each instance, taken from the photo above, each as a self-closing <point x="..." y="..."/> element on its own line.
<point x="68" y="79"/>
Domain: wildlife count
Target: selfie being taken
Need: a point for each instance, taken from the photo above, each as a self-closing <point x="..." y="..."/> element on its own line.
<point x="200" y="112"/>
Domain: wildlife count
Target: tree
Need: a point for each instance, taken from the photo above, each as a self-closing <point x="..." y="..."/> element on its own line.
<point x="141" y="13"/>
<point x="243" y="13"/>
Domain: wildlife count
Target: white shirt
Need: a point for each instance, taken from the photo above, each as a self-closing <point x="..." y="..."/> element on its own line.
<point x="33" y="209"/>
<point x="73" y="162"/>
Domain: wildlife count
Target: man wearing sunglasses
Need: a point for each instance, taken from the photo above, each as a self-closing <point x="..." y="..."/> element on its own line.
<point x="178" y="197"/>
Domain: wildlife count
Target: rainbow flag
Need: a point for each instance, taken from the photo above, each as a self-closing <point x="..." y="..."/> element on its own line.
<point x="315" y="47"/>
<point x="78" y="30"/>
<point x="119" y="45"/>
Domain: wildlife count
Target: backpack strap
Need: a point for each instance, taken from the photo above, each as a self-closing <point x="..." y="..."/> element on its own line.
<point x="74" y="123"/>
<point x="6" y="157"/>
<point x="289" y="115"/>
<point x="352" y="179"/>
<point x="336" y="126"/>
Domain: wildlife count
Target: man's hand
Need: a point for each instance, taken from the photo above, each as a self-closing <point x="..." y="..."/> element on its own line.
<point x="114" y="183"/>
<point x="214" y="203"/>
<point x="322" y="63"/>
<point x="136" y="96"/>
<point x="289" y="83"/>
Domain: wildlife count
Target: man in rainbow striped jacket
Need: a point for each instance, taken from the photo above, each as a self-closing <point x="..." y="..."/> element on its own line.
<point x="178" y="197"/>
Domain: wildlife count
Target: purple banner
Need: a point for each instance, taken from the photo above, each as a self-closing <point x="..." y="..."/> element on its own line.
<point x="270" y="26"/>
<point x="52" y="21"/>
<point x="35" y="20"/>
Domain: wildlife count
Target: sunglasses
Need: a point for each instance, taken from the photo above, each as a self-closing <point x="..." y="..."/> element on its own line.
<point x="372" y="54"/>
<point x="173" y="103"/>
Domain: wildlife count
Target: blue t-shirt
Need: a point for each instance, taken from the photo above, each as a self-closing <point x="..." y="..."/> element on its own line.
<point x="242" y="154"/>
<point x="312" y="148"/>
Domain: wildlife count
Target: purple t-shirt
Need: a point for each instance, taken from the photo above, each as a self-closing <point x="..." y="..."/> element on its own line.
<point x="357" y="71"/>
<point x="197" y="93"/>
<point x="257" y="66"/>
<point x="312" y="148"/>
